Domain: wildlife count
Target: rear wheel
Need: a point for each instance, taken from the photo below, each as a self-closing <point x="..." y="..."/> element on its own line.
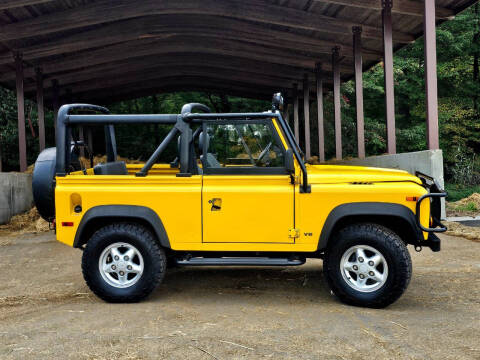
<point x="123" y="263"/>
<point x="367" y="265"/>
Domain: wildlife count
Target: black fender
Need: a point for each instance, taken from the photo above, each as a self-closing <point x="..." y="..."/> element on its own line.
<point x="123" y="212"/>
<point x="375" y="211"/>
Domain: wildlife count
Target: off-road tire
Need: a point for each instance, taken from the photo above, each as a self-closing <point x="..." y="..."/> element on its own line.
<point x="391" y="247"/>
<point x="136" y="235"/>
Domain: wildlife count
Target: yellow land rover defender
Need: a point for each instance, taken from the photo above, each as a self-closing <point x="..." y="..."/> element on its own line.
<point x="238" y="194"/>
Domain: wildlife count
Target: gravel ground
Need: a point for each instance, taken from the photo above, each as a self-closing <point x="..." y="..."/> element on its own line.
<point x="46" y="311"/>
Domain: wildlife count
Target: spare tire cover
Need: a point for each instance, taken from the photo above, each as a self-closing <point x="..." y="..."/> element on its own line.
<point x="43" y="181"/>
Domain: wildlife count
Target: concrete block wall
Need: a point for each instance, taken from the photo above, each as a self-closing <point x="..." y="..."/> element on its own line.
<point x="429" y="162"/>
<point x="15" y="195"/>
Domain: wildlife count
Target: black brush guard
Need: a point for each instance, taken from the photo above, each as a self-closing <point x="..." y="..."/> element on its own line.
<point x="435" y="195"/>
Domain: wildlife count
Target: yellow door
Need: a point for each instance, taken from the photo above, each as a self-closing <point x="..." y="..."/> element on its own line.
<point x="250" y="208"/>
<point x="247" y="195"/>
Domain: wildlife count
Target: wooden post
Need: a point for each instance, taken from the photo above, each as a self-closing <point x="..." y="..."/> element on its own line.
<point x="388" y="71"/>
<point x="40" y="109"/>
<point x="320" y="118"/>
<point x="22" y="142"/>
<point x="433" y="142"/>
<point x="296" y="127"/>
<point x="337" y="103"/>
<point x="55" y="101"/>
<point x="306" y="115"/>
<point x="357" y="53"/>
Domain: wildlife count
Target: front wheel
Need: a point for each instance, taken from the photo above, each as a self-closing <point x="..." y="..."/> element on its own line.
<point x="367" y="265"/>
<point x="123" y="263"/>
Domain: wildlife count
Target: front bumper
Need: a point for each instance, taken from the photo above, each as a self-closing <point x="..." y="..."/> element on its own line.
<point x="433" y="242"/>
<point x="435" y="195"/>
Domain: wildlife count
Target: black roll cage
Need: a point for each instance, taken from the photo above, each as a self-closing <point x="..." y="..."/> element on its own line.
<point x="181" y="124"/>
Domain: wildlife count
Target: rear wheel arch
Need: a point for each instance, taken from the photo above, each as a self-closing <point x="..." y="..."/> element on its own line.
<point x="100" y="216"/>
<point x="398" y="218"/>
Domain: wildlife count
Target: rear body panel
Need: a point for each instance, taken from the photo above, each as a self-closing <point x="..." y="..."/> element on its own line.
<point x="176" y="200"/>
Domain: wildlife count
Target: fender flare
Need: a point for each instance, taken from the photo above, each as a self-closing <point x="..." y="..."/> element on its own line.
<point x="367" y="209"/>
<point x="129" y="212"/>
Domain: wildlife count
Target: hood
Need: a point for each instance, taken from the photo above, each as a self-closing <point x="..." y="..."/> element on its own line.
<point x="332" y="174"/>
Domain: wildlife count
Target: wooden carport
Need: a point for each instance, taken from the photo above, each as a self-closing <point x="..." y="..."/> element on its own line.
<point x="103" y="51"/>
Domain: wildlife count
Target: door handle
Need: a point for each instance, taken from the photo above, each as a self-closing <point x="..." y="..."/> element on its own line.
<point x="216" y="204"/>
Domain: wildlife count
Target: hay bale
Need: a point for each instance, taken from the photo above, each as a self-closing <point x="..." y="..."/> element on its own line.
<point x="469" y="206"/>
<point x="28" y="222"/>
<point x="103" y="159"/>
<point x="467" y="232"/>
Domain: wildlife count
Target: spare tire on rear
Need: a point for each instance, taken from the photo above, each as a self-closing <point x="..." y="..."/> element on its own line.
<point x="43" y="181"/>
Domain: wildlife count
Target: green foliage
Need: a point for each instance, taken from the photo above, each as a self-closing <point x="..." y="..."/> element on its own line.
<point x="457" y="192"/>
<point x="139" y="142"/>
<point x="9" y="130"/>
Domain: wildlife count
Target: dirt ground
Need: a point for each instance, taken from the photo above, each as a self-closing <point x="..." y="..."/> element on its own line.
<point x="47" y="311"/>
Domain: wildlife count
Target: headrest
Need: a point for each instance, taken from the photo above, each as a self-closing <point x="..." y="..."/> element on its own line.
<point x="203" y="137"/>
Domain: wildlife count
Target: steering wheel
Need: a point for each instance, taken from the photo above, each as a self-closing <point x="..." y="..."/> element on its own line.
<point x="263" y="153"/>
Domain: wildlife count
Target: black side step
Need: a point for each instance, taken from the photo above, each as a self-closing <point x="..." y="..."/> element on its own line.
<point x="240" y="261"/>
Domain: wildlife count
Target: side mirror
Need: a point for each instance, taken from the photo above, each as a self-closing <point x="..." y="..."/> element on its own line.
<point x="277" y="102"/>
<point x="289" y="163"/>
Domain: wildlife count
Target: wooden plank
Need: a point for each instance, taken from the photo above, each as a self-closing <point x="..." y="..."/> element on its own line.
<point x="22" y="141"/>
<point x="40" y="110"/>
<point x="306" y="116"/>
<point x="148" y="47"/>
<point x="153" y="27"/>
<point x="404" y="7"/>
<point x="178" y="71"/>
<point x="286" y="73"/>
<point x="252" y="10"/>
<point x="10" y="4"/>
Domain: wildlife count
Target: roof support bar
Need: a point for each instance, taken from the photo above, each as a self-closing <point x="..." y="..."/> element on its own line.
<point x="357" y="53"/>
<point x="337" y="103"/>
<point x="431" y="75"/>
<point x="163" y="145"/>
<point x="63" y="134"/>
<point x="320" y="118"/>
<point x="388" y="71"/>
<point x="306" y="115"/>
<point x="22" y="143"/>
